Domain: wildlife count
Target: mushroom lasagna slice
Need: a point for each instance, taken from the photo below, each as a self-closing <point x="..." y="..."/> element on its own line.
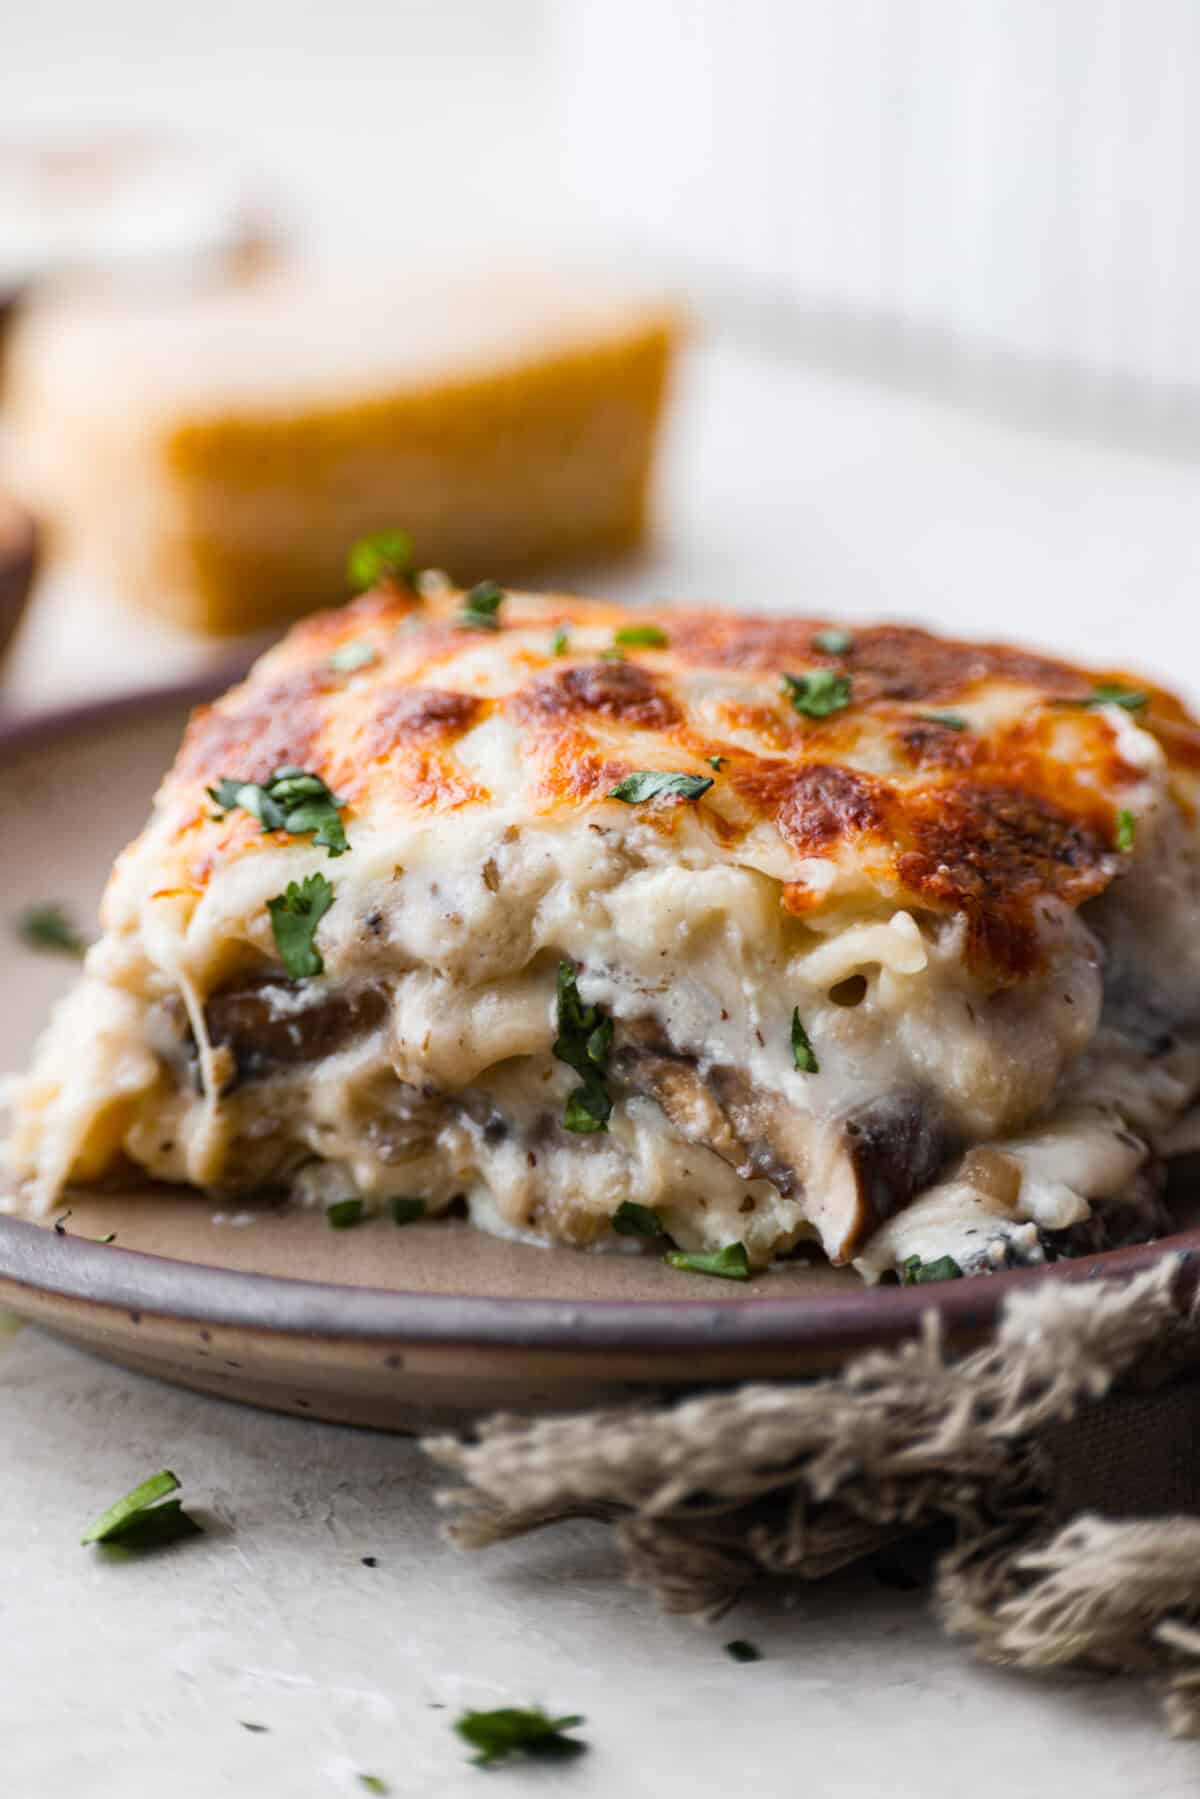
<point x="738" y="930"/>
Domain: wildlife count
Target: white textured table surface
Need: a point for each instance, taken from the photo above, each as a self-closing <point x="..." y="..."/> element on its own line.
<point x="786" y="488"/>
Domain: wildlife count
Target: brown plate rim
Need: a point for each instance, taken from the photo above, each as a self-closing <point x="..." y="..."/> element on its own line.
<point x="36" y="1258"/>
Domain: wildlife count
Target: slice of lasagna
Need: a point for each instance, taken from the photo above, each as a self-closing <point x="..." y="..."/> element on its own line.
<point x="728" y="931"/>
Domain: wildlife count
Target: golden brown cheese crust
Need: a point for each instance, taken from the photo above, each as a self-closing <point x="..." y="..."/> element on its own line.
<point x="989" y="821"/>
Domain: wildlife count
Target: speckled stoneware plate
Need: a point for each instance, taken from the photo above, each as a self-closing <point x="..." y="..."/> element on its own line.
<point x="376" y="1326"/>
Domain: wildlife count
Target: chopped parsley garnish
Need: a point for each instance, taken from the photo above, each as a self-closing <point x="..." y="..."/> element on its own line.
<point x="293" y="800"/>
<point x="833" y="643"/>
<point x="728" y="1264"/>
<point x="406" y="1211"/>
<point x="632" y="1220"/>
<point x="496" y="1735"/>
<point x="344" y="1214"/>
<point x="650" y="783"/>
<point x="358" y="654"/>
<point x="295" y="916"/>
<point x="818" y="693"/>
<point x="742" y="1651"/>
<point x="145" y="1518"/>
<point x="1111" y="693"/>
<point x="559" y="642"/>
<point x="641" y="637"/>
<point x="481" y="607"/>
<point x="60" y="1229"/>
<point x="49" y="927"/>
<point x="803" y="1059"/>
<point x="953" y="721"/>
<point x="913" y="1271"/>
<point x="257" y="1730"/>
<point x="373" y="1783"/>
<point x="384" y="556"/>
<point x="583" y="1043"/>
<point x="1126" y="830"/>
<point x="717" y="762"/>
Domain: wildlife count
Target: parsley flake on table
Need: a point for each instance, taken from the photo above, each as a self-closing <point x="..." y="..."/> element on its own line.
<point x="295" y="915"/>
<point x="1126" y="830"/>
<point x="583" y="1043"/>
<point x="510" y="1731"/>
<point x="804" y="1060"/>
<point x="641" y="637"/>
<point x="383" y="556"/>
<point x="293" y="800"/>
<point x="632" y="1220"/>
<point x="833" y="643"/>
<point x="728" y="1264"/>
<point x="49" y="927"/>
<point x="351" y="656"/>
<point x="652" y="783"/>
<point x="145" y="1518"/>
<point x="817" y="693"/>
<point x="914" y="1272"/>
<point x="481" y="607"/>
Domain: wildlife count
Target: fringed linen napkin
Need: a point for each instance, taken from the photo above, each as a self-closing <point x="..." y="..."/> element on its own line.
<point x="1062" y="1461"/>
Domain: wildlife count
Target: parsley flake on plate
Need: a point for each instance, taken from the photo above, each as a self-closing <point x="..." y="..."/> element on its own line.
<point x="728" y="1264"/>
<point x="49" y="927"/>
<point x="1126" y="830"/>
<point x="293" y="800"/>
<point x="344" y="1214"/>
<point x="383" y="556"/>
<point x="717" y="762"/>
<point x="145" y="1518"/>
<point x="373" y="1783"/>
<point x="817" y="693"/>
<point x="651" y="783"/>
<point x="295" y="915"/>
<point x="804" y="1060"/>
<point x="833" y="643"/>
<point x="641" y="637"/>
<point x="354" y="655"/>
<point x="560" y="642"/>
<point x="914" y="1272"/>
<point x="481" y="607"/>
<point x="742" y="1651"/>
<point x="510" y="1731"/>
<point x="632" y="1220"/>
<point x="583" y="1043"/>
<point x="406" y="1211"/>
<point x="953" y="721"/>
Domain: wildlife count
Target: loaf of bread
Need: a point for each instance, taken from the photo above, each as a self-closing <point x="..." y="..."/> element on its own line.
<point x="211" y="457"/>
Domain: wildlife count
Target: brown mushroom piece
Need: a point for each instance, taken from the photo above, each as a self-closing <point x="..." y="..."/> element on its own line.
<point x="877" y="1158"/>
<point x="269" y="1025"/>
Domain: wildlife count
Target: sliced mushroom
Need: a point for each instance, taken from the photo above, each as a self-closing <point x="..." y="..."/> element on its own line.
<point x="722" y="1111"/>
<point x="874" y="1160"/>
<point x="265" y="1026"/>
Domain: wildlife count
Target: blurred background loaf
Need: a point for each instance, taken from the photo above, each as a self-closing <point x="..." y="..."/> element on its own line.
<point x="210" y="455"/>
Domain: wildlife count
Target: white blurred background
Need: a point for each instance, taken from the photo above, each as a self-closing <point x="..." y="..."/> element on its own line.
<point x="941" y="256"/>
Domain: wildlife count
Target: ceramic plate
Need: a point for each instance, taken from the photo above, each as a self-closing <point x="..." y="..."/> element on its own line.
<point x="396" y="1328"/>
